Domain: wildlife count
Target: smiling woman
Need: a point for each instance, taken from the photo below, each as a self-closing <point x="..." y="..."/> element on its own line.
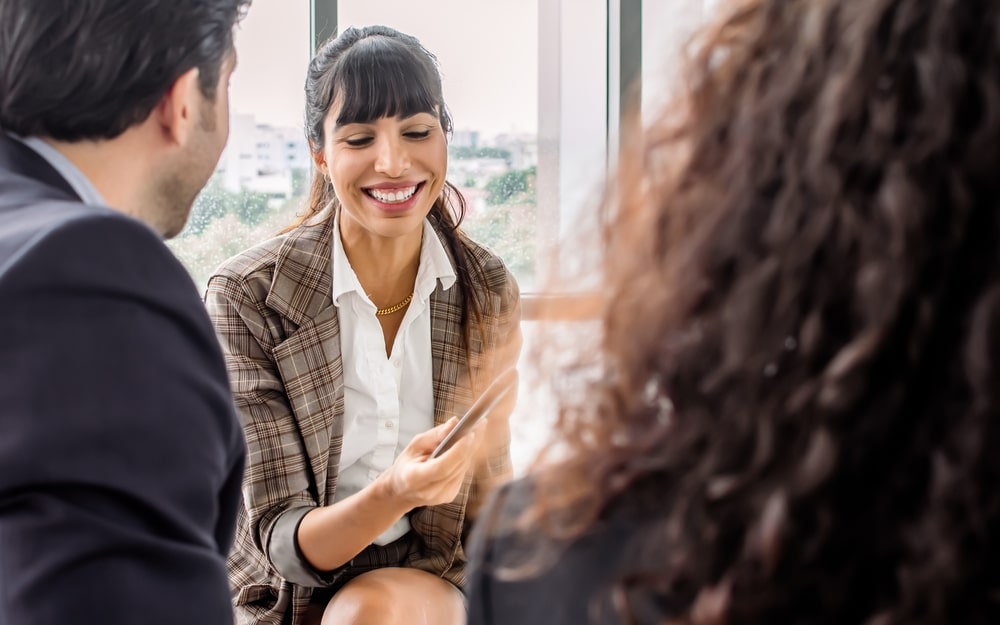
<point x="351" y="340"/>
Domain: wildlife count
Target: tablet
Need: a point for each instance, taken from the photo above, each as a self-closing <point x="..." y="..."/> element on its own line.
<point x="504" y="385"/>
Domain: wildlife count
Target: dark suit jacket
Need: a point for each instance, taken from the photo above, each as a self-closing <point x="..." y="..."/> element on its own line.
<point x="526" y="579"/>
<point x="120" y="451"/>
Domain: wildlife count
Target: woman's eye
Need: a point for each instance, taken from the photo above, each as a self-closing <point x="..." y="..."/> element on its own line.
<point x="358" y="142"/>
<point x="418" y="134"/>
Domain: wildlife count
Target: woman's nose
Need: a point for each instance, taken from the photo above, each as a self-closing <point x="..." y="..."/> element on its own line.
<point x="392" y="158"/>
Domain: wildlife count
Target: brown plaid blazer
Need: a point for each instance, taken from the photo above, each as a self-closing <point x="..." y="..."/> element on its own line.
<point x="273" y="309"/>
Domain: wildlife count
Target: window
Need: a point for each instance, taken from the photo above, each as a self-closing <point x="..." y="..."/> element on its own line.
<point x="537" y="89"/>
<point x="488" y="54"/>
<point x="509" y="69"/>
<point x="667" y="26"/>
<point x="262" y="177"/>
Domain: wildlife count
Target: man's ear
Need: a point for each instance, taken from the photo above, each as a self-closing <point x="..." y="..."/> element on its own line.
<point x="177" y="113"/>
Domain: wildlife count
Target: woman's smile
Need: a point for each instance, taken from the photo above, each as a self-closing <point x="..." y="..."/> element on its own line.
<point x="395" y="198"/>
<point x="387" y="173"/>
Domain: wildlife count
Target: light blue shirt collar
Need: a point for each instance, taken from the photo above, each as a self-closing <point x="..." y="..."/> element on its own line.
<point x="79" y="182"/>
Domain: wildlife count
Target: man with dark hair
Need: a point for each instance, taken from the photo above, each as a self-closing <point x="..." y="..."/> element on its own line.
<point x="120" y="452"/>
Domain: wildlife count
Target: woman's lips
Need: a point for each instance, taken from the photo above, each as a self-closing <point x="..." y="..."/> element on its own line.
<point x="396" y="198"/>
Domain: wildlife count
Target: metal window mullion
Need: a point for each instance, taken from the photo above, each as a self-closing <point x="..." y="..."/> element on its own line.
<point x="548" y="198"/>
<point x="624" y="70"/>
<point x="322" y="21"/>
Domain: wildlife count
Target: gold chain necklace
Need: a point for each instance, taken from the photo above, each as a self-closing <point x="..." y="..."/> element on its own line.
<point x="391" y="309"/>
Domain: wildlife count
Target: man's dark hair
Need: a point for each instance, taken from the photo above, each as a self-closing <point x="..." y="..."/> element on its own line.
<point x="90" y="69"/>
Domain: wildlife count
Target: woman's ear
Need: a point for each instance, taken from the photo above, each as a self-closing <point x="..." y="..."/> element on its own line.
<point x="318" y="157"/>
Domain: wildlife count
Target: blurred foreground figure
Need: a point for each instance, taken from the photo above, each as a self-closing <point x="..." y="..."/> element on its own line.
<point x="120" y="451"/>
<point x="797" y="420"/>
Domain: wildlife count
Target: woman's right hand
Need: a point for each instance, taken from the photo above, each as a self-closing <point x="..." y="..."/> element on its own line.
<point x="419" y="480"/>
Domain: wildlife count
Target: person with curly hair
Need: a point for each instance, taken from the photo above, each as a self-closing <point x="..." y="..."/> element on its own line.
<point x="800" y="354"/>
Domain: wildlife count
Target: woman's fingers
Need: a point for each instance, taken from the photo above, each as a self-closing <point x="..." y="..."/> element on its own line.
<point x="423" y="480"/>
<point x="425" y="442"/>
<point x="447" y="471"/>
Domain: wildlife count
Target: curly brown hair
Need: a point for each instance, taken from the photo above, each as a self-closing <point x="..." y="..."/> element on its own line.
<point x="801" y="339"/>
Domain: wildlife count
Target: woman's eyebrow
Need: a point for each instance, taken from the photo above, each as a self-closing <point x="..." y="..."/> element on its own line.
<point x="338" y="126"/>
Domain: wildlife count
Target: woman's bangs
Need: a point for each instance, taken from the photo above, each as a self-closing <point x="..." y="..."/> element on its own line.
<point x="383" y="82"/>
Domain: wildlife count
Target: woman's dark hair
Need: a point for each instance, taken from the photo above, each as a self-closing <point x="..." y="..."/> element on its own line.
<point x="75" y="70"/>
<point x="375" y="72"/>
<point x="801" y="336"/>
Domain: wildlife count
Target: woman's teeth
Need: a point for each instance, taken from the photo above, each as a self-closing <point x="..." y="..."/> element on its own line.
<point x="392" y="197"/>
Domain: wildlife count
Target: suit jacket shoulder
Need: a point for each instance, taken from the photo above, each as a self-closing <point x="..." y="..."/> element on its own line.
<point x="89" y="246"/>
<point x="121" y="455"/>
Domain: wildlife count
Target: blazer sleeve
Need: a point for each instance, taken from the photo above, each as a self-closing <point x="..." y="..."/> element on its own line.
<point x="120" y="453"/>
<point x="278" y="489"/>
<point x="495" y="469"/>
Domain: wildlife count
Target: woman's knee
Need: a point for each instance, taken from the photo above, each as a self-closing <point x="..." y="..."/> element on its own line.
<point x="362" y="604"/>
<point x="396" y="596"/>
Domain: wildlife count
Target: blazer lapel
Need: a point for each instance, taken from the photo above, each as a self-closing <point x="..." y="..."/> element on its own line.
<point x="452" y="394"/>
<point x="302" y="285"/>
<point x="309" y="359"/>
